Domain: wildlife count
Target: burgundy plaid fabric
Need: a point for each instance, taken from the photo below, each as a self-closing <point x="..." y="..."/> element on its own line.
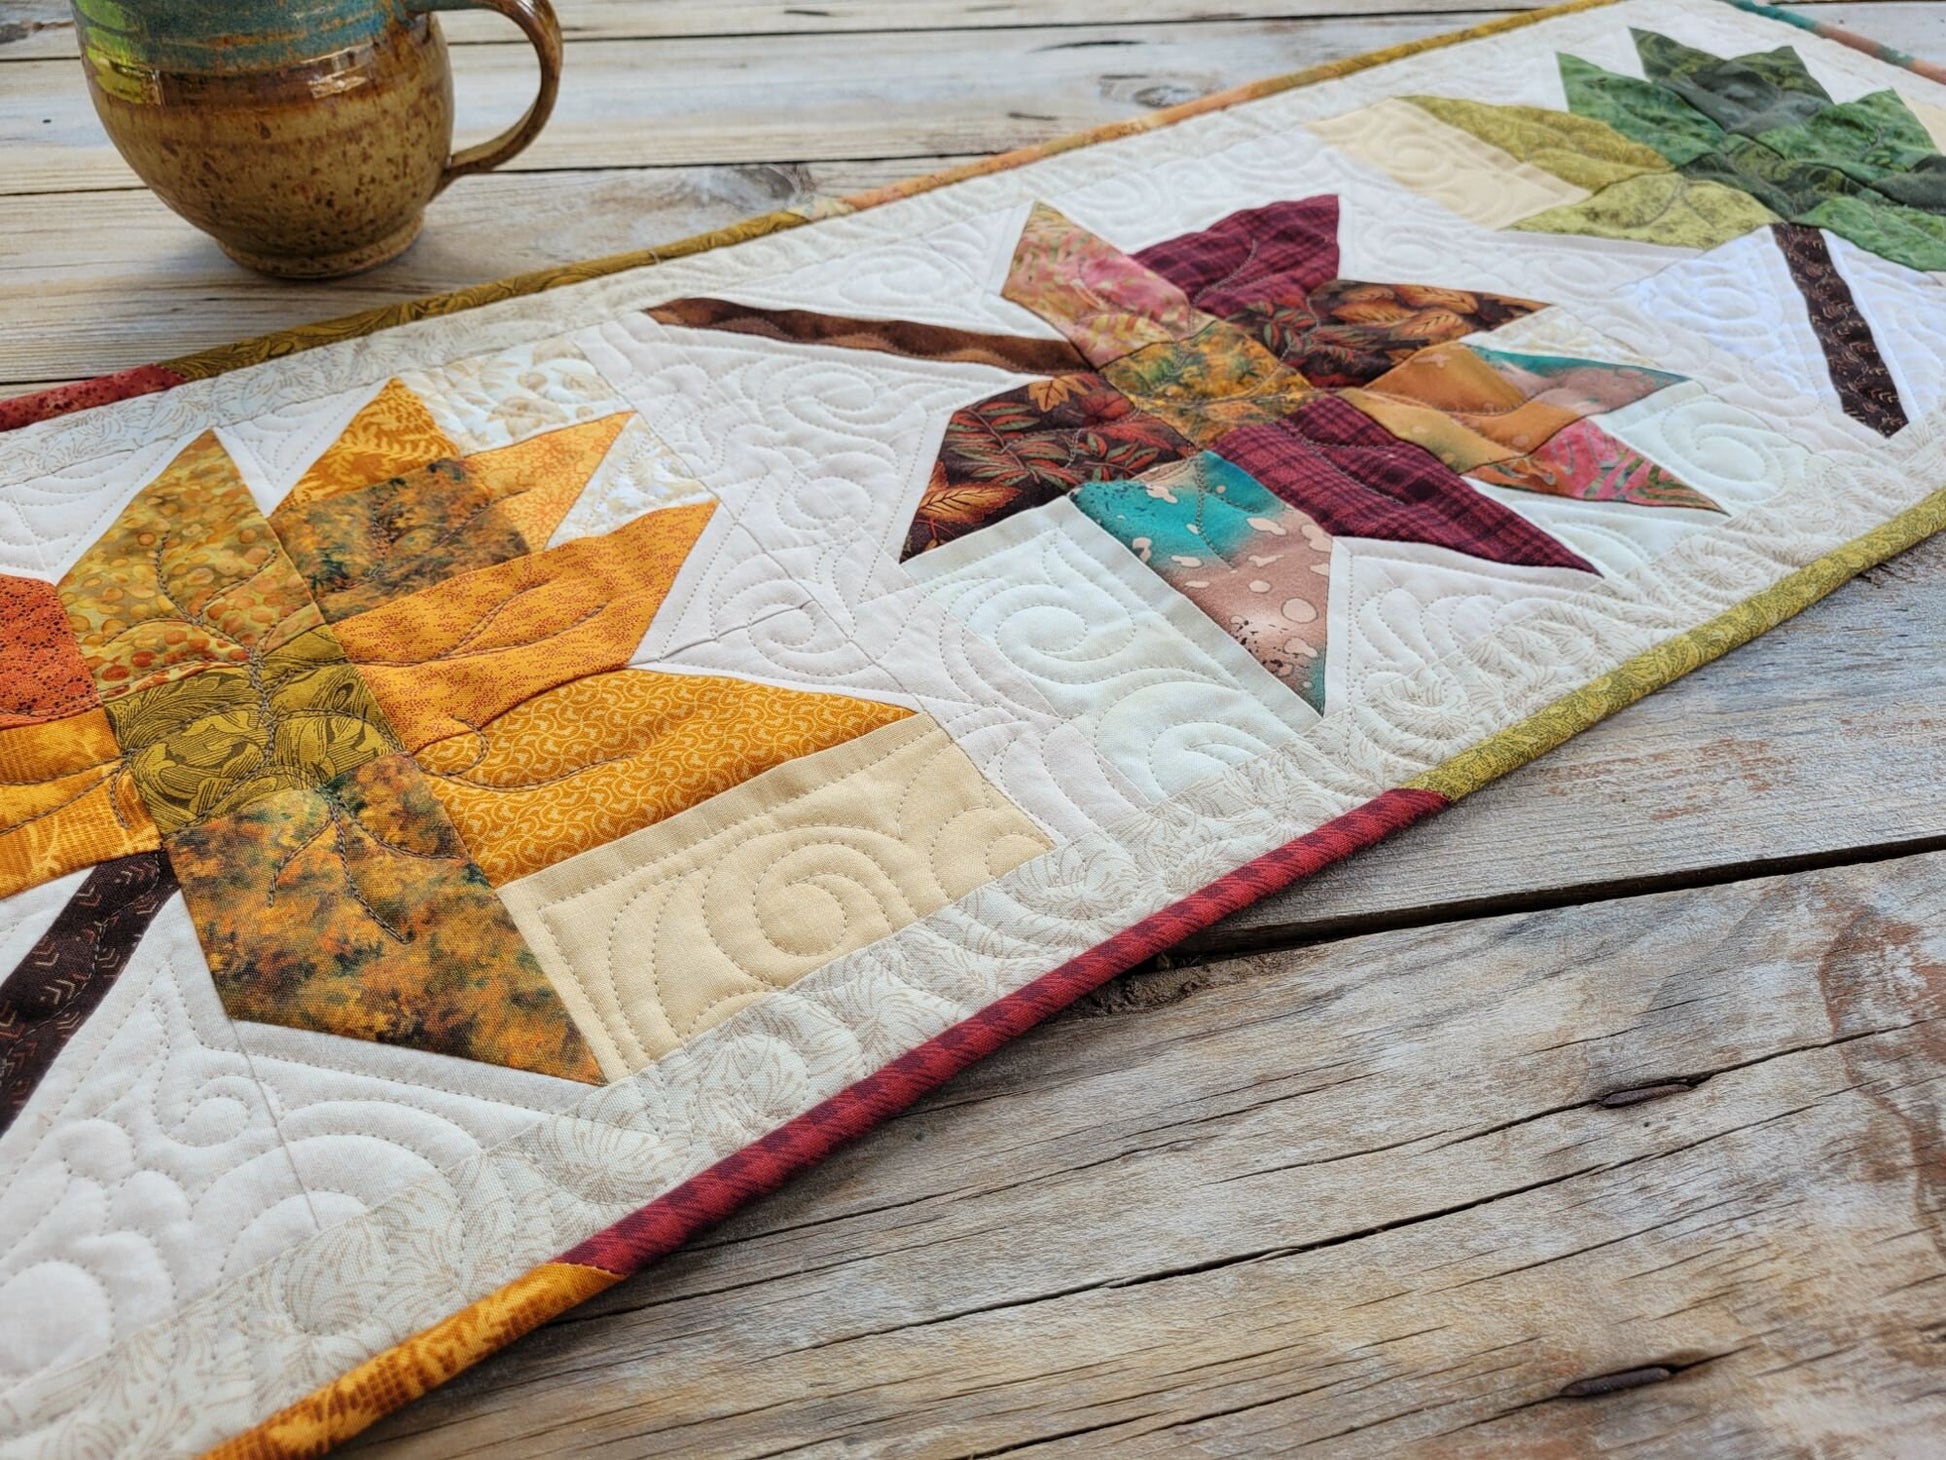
<point x="1258" y="261"/>
<point x="1356" y="479"/>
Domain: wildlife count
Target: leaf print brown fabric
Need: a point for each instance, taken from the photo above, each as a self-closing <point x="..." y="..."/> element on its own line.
<point x="916" y="341"/>
<point x="1030" y="445"/>
<point x="1366" y="329"/>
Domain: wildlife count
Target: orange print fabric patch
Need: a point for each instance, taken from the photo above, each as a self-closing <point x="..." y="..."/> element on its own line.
<point x="65" y="802"/>
<point x="392" y="434"/>
<point x="591" y="761"/>
<point x="190" y="575"/>
<point x="42" y="673"/>
<point x="451" y="657"/>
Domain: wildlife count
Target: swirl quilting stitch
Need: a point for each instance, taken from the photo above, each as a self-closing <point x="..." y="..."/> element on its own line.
<point x="978" y="797"/>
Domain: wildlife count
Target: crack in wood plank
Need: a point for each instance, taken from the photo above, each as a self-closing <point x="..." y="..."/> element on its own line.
<point x="1050" y="1268"/>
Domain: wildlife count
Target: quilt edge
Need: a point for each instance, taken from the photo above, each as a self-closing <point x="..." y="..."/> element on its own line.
<point x="359" y="1398"/>
<point x="393" y="1378"/>
<point x="62" y="400"/>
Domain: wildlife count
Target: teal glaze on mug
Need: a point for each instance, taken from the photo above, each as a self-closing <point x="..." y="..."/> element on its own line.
<point x="212" y="37"/>
<point x="306" y="136"/>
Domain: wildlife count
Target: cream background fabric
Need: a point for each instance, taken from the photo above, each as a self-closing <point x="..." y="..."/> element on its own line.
<point x="446" y="1225"/>
<point x="655" y="937"/>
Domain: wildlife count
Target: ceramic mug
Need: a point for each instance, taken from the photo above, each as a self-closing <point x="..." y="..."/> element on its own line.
<point x="307" y="136"/>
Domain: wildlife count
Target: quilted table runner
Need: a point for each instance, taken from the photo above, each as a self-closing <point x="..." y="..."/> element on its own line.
<point x="487" y="788"/>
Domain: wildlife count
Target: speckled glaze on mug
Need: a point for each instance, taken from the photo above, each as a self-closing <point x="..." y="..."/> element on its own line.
<point x="306" y="136"/>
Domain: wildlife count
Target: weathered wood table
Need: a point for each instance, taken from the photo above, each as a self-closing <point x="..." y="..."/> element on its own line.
<point x="1605" y="1113"/>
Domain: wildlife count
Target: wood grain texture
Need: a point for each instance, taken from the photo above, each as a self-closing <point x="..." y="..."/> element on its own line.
<point x="1819" y="741"/>
<point x="107" y="280"/>
<point x="38" y="28"/>
<point x="96" y="275"/>
<point x="1351" y="1198"/>
<point x="637" y="97"/>
<point x="682" y="101"/>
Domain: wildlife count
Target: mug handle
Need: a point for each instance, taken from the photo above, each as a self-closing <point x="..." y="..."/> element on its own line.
<point x="536" y="19"/>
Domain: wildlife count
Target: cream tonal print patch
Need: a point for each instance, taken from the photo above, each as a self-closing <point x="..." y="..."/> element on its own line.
<point x="656" y="937"/>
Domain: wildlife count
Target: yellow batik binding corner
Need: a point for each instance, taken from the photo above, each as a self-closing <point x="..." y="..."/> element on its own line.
<point x="355" y="1400"/>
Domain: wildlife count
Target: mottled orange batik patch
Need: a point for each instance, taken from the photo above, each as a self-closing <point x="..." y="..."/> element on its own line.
<point x="594" y="760"/>
<point x="352" y="908"/>
<point x="333" y="1414"/>
<point x="391" y="435"/>
<point x="65" y="802"/>
<point x="363" y="547"/>
<point x="537" y="480"/>
<point x="447" y="659"/>
<point x="1213" y="382"/>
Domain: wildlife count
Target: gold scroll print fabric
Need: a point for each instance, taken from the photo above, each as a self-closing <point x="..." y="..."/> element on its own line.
<point x="456" y="786"/>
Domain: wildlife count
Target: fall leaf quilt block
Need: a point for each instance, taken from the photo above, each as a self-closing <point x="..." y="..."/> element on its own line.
<point x="480" y="798"/>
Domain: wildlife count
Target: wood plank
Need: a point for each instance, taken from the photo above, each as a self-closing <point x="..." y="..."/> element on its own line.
<point x="909" y="94"/>
<point x="688" y="102"/>
<point x="1392" y="1191"/>
<point x="97" y="282"/>
<point x="1905" y="23"/>
<point x="39" y="29"/>
<point x="1817" y="742"/>
<point x="44" y="28"/>
<point x="1917" y="27"/>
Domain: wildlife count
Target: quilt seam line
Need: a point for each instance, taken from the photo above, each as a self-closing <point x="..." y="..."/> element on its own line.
<point x="1470" y="770"/>
<point x="1868" y="523"/>
<point x="258" y="349"/>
